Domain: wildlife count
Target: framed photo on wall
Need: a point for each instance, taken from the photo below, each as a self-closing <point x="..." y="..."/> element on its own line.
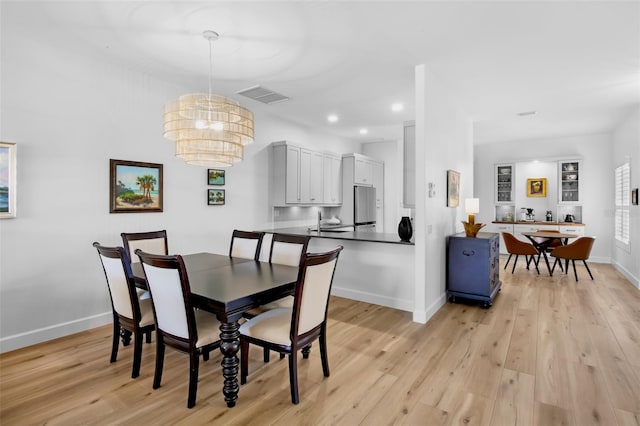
<point x="634" y="196"/>
<point x="135" y="187"/>
<point x="215" y="197"/>
<point x="453" y="188"/>
<point x="215" y="177"/>
<point x="7" y="180"/>
<point x="537" y="187"/>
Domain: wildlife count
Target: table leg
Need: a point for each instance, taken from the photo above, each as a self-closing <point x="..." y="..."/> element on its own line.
<point x="229" y="345"/>
<point x="546" y="260"/>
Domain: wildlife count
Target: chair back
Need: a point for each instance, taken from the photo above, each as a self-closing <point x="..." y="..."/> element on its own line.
<point x="288" y="249"/>
<point x="169" y="288"/>
<point x="515" y="246"/>
<point x="117" y="271"/>
<point x="149" y="242"/>
<point x="312" y="292"/>
<point x="580" y="249"/>
<point x="245" y="245"/>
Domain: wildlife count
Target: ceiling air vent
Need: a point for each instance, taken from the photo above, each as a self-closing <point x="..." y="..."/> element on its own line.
<point x="263" y="95"/>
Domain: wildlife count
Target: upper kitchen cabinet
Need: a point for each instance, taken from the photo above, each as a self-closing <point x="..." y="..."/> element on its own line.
<point x="409" y="165"/>
<point x="296" y="175"/>
<point x="504" y="183"/>
<point x="332" y="165"/>
<point x="363" y="171"/>
<point x="569" y="181"/>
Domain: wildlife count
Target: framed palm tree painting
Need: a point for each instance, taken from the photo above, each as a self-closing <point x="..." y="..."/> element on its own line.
<point x="135" y="187"/>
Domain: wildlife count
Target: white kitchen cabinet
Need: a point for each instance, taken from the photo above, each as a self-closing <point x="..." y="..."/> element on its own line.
<point x="311" y="180"/>
<point x="332" y="164"/>
<point x="409" y="166"/>
<point x="572" y="229"/>
<point x="378" y="184"/>
<point x="504" y="183"/>
<point x="296" y="175"/>
<point x="363" y="171"/>
<point x="569" y="185"/>
<point x="531" y="227"/>
<point x="499" y="228"/>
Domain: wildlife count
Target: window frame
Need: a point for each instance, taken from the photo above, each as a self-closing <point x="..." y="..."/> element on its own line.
<point x="622" y="202"/>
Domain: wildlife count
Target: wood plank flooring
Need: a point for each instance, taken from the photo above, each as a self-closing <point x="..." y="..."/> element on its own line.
<point x="549" y="352"/>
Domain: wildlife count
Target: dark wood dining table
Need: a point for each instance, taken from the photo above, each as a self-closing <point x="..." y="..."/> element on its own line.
<point x="545" y="239"/>
<point x="228" y="287"/>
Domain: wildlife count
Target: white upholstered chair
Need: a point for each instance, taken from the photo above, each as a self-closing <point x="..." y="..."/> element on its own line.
<point x="129" y="312"/>
<point x="150" y="242"/>
<point x="287" y="330"/>
<point x="178" y="325"/>
<point x="245" y="245"/>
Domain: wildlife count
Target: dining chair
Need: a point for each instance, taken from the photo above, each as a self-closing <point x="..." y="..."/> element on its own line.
<point x="179" y="325"/>
<point x="245" y="245"/>
<point x="287" y="330"/>
<point x="580" y="249"/>
<point x="151" y="242"/>
<point x="517" y="247"/>
<point x="285" y="250"/>
<point x="129" y="312"/>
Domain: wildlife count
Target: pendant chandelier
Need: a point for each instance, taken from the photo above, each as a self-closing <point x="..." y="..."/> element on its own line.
<point x="208" y="130"/>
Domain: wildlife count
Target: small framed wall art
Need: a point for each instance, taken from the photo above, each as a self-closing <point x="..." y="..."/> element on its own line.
<point x="7" y="180"/>
<point x="634" y="196"/>
<point x="453" y="188"/>
<point x="215" y="197"/>
<point x="215" y="177"/>
<point x="135" y="187"/>
<point x="537" y="187"/>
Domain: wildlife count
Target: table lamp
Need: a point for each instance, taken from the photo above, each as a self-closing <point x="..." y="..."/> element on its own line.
<point x="471" y="207"/>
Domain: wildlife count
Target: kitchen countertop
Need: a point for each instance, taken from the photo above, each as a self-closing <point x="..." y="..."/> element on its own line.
<point x="539" y="222"/>
<point x="372" y="237"/>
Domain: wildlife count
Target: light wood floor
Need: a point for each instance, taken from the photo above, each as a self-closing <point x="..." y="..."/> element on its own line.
<point x="549" y="352"/>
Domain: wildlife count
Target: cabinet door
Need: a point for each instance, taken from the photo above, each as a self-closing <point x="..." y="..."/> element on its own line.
<point x="292" y="179"/>
<point x="409" y="167"/>
<point x="316" y="180"/>
<point x="363" y="172"/>
<point x="569" y="181"/>
<point x="504" y="183"/>
<point x="332" y="166"/>
<point x="576" y="230"/>
<point x="378" y="184"/>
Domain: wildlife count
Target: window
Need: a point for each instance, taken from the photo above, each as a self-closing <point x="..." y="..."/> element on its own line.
<point x="622" y="195"/>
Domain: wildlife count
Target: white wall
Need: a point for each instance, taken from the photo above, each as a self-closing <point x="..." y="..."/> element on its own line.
<point x="444" y="140"/>
<point x="70" y="112"/>
<point x="596" y="177"/>
<point x="626" y="146"/>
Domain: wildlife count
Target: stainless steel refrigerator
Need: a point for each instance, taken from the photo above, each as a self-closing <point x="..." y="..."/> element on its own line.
<point x="364" y="209"/>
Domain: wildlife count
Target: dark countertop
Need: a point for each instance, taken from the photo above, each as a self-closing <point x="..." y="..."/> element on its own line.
<point x="539" y="222"/>
<point x="372" y="237"/>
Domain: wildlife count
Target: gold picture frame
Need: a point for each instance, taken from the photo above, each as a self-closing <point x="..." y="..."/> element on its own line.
<point x="453" y="188"/>
<point x="536" y="187"/>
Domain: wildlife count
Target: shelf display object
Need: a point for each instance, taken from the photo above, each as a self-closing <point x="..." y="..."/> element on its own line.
<point x="504" y="183"/>
<point x="569" y="188"/>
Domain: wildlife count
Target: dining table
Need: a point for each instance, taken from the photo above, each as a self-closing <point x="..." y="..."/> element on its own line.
<point x="542" y="239"/>
<point x="228" y="287"/>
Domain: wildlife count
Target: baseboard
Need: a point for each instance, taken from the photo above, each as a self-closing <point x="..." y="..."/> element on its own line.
<point x="423" y="316"/>
<point x="403" y="305"/>
<point x="40" y="335"/>
<point x="627" y="274"/>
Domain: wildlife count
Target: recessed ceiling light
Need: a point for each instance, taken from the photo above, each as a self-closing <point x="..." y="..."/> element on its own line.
<point x="363" y="131"/>
<point x="332" y="118"/>
<point x="397" y="107"/>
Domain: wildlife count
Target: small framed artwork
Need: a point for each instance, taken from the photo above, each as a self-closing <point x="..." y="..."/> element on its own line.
<point x="135" y="187"/>
<point x="453" y="188"/>
<point x="7" y="180"/>
<point x="215" y="197"/>
<point x="634" y="196"/>
<point x="537" y="187"/>
<point x="215" y="177"/>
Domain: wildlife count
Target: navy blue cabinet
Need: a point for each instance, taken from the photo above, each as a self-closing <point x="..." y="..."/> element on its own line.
<point x="473" y="267"/>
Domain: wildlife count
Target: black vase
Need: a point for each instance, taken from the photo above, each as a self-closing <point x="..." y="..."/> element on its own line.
<point x="405" y="230"/>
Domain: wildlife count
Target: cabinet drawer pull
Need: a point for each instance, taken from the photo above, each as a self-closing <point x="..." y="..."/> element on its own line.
<point x="468" y="252"/>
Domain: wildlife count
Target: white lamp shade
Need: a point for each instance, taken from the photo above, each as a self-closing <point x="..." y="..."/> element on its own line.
<point x="472" y="205"/>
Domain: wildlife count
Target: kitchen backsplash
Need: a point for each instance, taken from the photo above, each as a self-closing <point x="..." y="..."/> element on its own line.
<point x="285" y="217"/>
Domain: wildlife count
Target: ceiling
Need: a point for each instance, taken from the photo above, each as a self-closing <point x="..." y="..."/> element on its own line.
<point x="577" y="64"/>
